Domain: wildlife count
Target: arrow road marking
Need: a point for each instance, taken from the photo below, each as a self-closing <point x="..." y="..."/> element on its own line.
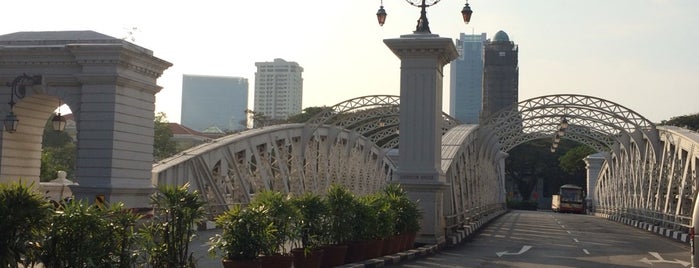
<point x="660" y="259"/>
<point x="524" y="249"/>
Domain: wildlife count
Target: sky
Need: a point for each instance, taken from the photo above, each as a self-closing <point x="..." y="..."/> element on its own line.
<point x="641" y="54"/>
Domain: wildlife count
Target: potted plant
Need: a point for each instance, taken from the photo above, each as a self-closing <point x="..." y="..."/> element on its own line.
<point x="398" y="202"/>
<point x="377" y="222"/>
<point x="81" y="234"/>
<point x="245" y="232"/>
<point x="339" y="202"/>
<point x="413" y="216"/>
<point x="361" y="231"/>
<point x="169" y="232"/>
<point x="25" y="215"/>
<point x="385" y="222"/>
<point x="283" y="216"/>
<point x="311" y="229"/>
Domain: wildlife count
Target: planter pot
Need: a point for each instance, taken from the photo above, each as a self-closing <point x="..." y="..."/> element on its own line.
<point x="355" y="251"/>
<point x="401" y="243"/>
<point x="310" y="260"/>
<point x="392" y="244"/>
<point x="333" y="255"/>
<point x="240" y="264"/>
<point x="373" y="249"/>
<point x="410" y="240"/>
<point x="277" y="261"/>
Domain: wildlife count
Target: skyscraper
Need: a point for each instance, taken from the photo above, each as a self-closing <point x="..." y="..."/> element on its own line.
<point x="214" y="101"/>
<point x="278" y="89"/>
<point x="500" y="74"/>
<point x="466" y="79"/>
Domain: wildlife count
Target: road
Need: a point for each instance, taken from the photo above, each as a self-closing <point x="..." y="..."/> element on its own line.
<point x="546" y="239"/>
<point x="199" y="248"/>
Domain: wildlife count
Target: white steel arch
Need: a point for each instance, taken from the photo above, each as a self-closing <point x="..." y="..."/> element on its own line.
<point x="286" y="158"/>
<point x="649" y="173"/>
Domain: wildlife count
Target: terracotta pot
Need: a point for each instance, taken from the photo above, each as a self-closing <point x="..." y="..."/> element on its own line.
<point x="310" y="260"/>
<point x="277" y="261"/>
<point x="410" y="240"/>
<point x="373" y="249"/>
<point x="333" y="255"/>
<point x="392" y="244"/>
<point x="388" y="246"/>
<point x="401" y="243"/>
<point x="240" y="264"/>
<point x="355" y="251"/>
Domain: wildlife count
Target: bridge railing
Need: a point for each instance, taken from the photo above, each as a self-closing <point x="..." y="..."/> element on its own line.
<point x="476" y="177"/>
<point x="655" y="182"/>
<point x="676" y="222"/>
<point x="458" y="221"/>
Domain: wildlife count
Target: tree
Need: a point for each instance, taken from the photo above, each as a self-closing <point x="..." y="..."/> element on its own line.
<point x="686" y="121"/>
<point x="527" y="163"/>
<point x="259" y="119"/>
<point x="163" y="145"/>
<point x="308" y="113"/>
<point x="533" y="160"/>
<point x="573" y="161"/>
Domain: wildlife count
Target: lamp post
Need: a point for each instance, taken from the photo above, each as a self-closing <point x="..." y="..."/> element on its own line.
<point x="58" y="123"/>
<point x="18" y="87"/>
<point x="423" y="25"/>
<point x="423" y="56"/>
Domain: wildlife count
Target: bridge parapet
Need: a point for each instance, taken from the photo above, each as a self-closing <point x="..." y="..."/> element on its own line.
<point x="659" y="189"/>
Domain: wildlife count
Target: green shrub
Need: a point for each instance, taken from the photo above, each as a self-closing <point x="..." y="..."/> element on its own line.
<point x="340" y="202"/>
<point x="283" y="215"/>
<point x="245" y="232"/>
<point x="25" y="214"/>
<point x="85" y="235"/>
<point x="166" y="238"/>
<point x="313" y="219"/>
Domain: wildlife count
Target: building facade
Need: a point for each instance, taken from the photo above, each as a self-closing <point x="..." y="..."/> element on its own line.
<point x="278" y="89"/>
<point x="214" y="101"/>
<point x="500" y="74"/>
<point x="466" y="79"/>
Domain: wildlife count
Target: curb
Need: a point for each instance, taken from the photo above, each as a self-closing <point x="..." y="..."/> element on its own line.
<point x="468" y="229"/>
<point x="669" y="233"/>
<point x="394" y="258"/>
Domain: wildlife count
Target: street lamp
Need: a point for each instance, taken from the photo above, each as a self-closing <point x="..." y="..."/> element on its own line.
<point x="18" y="88"/>
<point x="58" y="123"/>
<point x="423" y="25"/>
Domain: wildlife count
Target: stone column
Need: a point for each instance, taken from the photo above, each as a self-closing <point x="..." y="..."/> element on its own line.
<point x="593" y="163"/>
<point x="423" y="57"/>
<point x="114" y="118"/>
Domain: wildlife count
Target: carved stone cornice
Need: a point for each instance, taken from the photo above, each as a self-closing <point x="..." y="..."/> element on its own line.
<point x="421" y="45"/>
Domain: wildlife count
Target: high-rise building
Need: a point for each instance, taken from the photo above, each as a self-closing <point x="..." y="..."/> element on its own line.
<point x="466" y="79"/>
<point x="278" y="89"/>
<point x="500" y="74"/>
<point x="214" y="101"/>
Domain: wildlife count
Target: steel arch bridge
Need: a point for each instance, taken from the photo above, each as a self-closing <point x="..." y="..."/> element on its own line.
<point x="649" y="172"/>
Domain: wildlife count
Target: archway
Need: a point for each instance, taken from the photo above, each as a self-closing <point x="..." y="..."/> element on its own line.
<point x="109" y="84"/>
<point x="627" y="139"/>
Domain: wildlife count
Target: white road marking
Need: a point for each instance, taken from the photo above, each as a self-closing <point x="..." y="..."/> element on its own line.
<point x="586" y="252"/>
<point x="659" y="259"/>
<point x="576" y="240"/>
<point x="524" y="249"/>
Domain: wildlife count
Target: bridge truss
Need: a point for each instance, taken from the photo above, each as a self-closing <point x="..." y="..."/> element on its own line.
<point x="649" y="173"/>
